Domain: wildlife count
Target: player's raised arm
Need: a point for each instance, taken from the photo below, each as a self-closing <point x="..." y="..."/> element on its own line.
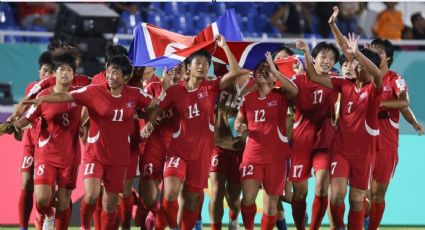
<point x="52" y="98"/>
<point x="339" y="37"/>
<point x="290" y="88"/>
<point x="322" y="79"/>
<point x="235" y="70"/>
<point x="352" y="47"/>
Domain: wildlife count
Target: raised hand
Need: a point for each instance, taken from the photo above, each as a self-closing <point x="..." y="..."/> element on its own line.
<point x="146" y="131"/>
<point x="221" y="42"/>
<point x="352" y="43"/>
<point x="242" y="127"/>
<point x="35" y="101"/>
<point x="302" y="45"/>
<point x="334" y="16"/>
<point x="269" y="60"/>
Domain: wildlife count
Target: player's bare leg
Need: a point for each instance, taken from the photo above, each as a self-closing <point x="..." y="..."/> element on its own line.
<point x="338" y="193"/>
<point x="172" y="188"/>
<point x="126" y="204"/>
<point x="233" y="194"/>
<point x="109" y="212"/>
<point x="44" y="201"/>
<point x="63" y="209"/>
<point x="92" y="188"/>
<point x="378" y="192"/>
<point x="299" y="203"/>
<point x="215" y="207"/>
<point x="191" y="206"/>
<point x="269" y="211"/>
<point x="250" y="188"/>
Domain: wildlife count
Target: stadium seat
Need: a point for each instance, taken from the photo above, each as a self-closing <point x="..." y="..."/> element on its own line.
<point x="11" y="38"/>
<point x="182" y="23"/>
<point x="171" y="8"/>
<point x="203" y="21"/>
<point x="246" y="8"/>
<point x="219" y="8"/>
<point x="268" y="8"/>
<point x="158" y="19"/>
<point x="6" y="15"/>
<point x="129" y="21"/>
<point x="37" y="39"/>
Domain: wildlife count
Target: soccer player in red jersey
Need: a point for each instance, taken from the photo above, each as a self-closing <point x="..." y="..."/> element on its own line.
<point x="25" y="203"/>
<point x="263" y="114"/>
<point x="227" y="154"/>
<point x="108" y="146"/>
<point x="352" y="163"/>
<point x="394" y="99"/>
<point x="312" y="137"/>
<point x="110" y="51"/>
<point x="58" y="151"/>
<point x="188" y="158"/>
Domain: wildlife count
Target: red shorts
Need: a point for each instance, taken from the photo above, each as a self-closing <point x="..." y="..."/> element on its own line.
<point x="132" y="168"/>
<point x="112" y="176"/>
<point x="227" y="162"/>
<point x="45" y="173"/>
<point x="152" y="162"/>
<point x="272" y="176"/>
<point x="303" y="160"/>
<point x="385" y="164"/>
<point x="194" y="173"/>
<point x="357" y="171"/>
<point x="27" y="164"/>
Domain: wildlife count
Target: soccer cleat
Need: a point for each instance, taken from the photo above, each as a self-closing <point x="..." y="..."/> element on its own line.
<point x="49" y="223"/>
<point x="234" y="225"/>
<point x="198" y="225"/>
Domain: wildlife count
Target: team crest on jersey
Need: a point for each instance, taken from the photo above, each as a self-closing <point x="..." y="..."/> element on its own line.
<point x="130" y="104"/>
<point x="387" y="88"/>
<point x="363" y="95"/>
<point x="271" y="103"/>
<point x="72" y="105"/>
<point x="202" y="95"/>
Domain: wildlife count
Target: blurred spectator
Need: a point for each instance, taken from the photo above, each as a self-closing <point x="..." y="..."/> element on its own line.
<point x="367" y="18"/>
<point x="132" y="8"/>
<point x="389" y="23"/>
<point x="38" y="14"/>
<point x="407" y="33"/>
<point x="323" y="12"/>
<point x="292" y="18"/>
<point x="418" y="23"/>
<point x="348" y="17"/>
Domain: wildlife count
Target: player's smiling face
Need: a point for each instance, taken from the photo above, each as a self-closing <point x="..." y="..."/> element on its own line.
<point x="64" y="74"/>
<point x="324" y="61"/>
<point x="199" y="67"/>
<point x="359" y="72"/>
<point x="115" y="77"/>
<point x="263" y="75"/>
<point x="346" y="69"/>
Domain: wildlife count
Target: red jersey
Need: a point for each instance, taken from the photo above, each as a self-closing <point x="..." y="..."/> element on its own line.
<point x="313" y="106"/>
<point x="154" y="86"/>
<point x="58" y="138"/>
<point x="110" y="121"/>
<point x="193" y="136"/>
<point x="358" y="125"/>
<point x="99" y="78"/>
<point x="392" y="85"/>
<point x="267" y="141"/>
<point x="49" y="81"/>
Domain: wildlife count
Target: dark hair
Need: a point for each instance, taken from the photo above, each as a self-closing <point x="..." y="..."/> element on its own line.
<point x="122" y="63"/>
<point x="61" y="57"/>
<point x="200" y="53"/>
<point x="372" y="56"/>
<point x="65" y="46"/>
<point x="326" y="46"/>
<point x="342" y="60"/>
<point x="262" y="62"/>
<point x="388" y="48"/>
<point x="415" y="17"/>
<point x="288" y="50"/>
<point x="45" y="59"/>
<point x="114" y="50"/>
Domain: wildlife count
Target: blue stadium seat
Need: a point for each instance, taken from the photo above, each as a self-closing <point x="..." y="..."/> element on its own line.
<point x="182" y="23"/>
<point x="158" y="19"/>
<point x="268" y="8"/>
<point x="155" y="6"/>
<point x="129" y="21"/>
<point x="37" y="39"/>
<point x="219" y="8"/>
<point x="6" y="15"/>
<point x="171" y="8"/>
<point x="204" y="20"/>
<point x="246" y="8"/>
<point x="10" y="38"/>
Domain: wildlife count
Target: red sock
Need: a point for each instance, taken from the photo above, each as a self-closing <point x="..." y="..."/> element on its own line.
<point x="268" y="222"/>
<point x="216" y="226"/>
<point x="62" y="219"/>
<point x="109" y="220"/>
<point x="298" y="213"/>
<point x="97" y="219"/>
<point x="355" y="220"/>
<point x="338" y="215"/>
<point x="233" y="215"/>
<point x="127" y="203"/>
<point x="25" y="207"/>
<point x="320" y="204"/>
<point x="86" y="212"/>
<point x="189" y="219"/>
<point x="171" y="208"/>
<point x="160" y="220"/>
<point x="248" y="215"/>
<point x="376" y="213"/>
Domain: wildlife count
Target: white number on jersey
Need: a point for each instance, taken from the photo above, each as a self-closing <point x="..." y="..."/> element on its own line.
<point x="297" y="171"/>
<point x="40" y="170"/>
<point x="148" y="170"/>
<point x="27" y="162"/>
<point x="333" y="165"/>
<point x="259" y="115"/>
<point x="118" y="114"/>
<point x="350" y="103"/>
<point x="318" y="95"/>
<point x="89" y="169"/>
<point x="247" y="170"/>
<point x="174" y="162"/>
<point x="65" y="119"/>
<point x="214" y="161"/>
<point x="193" y="111"/>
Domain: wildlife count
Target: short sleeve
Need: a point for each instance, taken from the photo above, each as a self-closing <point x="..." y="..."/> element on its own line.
<point x="33" y="112"/>
<point x="399" y="85"/>
<point x="43" y="84"/>
<point x="338" y="83"/>
<point x="83" y="95"/>
<point x="143" y="98"/>
<point x="214" y="85"/>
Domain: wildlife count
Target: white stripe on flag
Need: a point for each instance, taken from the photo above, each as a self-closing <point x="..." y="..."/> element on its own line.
<point x="215" y="29"/>
<point x="245" y="54"/>
<point x="148" y="42"/>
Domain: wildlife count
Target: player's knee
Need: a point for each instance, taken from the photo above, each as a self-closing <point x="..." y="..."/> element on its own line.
<point x="43" y="200"/>
<point x="300" y="195"/>
<point x="91" y="197"/>
<point x="356" y="204"/>
<point x="270" y="208"/>
<point x="248" y="198"/>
